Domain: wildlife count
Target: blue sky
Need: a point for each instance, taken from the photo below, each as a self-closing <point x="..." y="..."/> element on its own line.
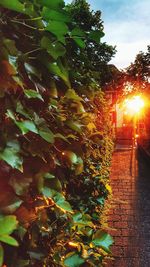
<point x="126" y="25"/>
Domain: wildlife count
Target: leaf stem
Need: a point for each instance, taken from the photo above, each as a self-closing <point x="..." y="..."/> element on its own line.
<point x="32" y="19"/>
<point x="26" y="25"/>
<point x="32" y="51"/>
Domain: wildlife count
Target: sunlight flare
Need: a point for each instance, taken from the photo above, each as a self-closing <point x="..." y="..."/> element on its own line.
<point x="134" y="105"/>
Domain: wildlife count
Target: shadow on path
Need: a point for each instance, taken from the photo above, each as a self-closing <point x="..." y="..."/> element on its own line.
<point x="129" y="216"/>
<point x="142" y="208"/>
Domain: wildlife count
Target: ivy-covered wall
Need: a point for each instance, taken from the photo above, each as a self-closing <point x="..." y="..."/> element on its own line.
<point x="55" y="141"/>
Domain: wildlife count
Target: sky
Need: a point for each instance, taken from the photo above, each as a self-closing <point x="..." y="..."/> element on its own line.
<point x="126" y="25"/>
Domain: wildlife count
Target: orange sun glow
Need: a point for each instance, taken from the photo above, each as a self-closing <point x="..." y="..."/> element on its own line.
<point x="134" y="105"/>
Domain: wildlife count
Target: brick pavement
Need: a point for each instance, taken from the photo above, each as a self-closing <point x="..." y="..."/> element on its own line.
<point x="129" y="215"/>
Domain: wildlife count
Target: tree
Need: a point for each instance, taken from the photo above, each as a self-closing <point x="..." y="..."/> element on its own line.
<point x="138" y="73"/>
<point x="135" y="78"/>
<point x="91" y="61"/>
<point x="140" y="70"/>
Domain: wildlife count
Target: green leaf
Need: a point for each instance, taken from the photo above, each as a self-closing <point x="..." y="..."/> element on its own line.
<point x="13" y="5"/>
<point x="64" y="71"/>
<point x="103" y="240"/>
<point x="1" y="255"/>
<point x="33" y="94"/>
<point x="54" y="49"/>
<point x="63" y="204"/>
<point x="71" y="94"/>
<point x="13" y="62"/>
<point x="47" y="192"/>
<point x="101" y="200"/>
<point x="49" y="14"/>
<point x="21" y="231"/>
<point x="57" y="51"/>
<point x="49" y="176"/>
<point x="11" y="155"/>
<point x="96" y="36"/>
<point x="78" y="32"/>
<point x="11" y="47"/>
<point x="82" y="220"/>
<point x="77" y="217"/>
<point x="17" y="6"/>
<point x="58" y="199"/>
<point x="60" y="136"/>
<point x="8" y="224"/>
<point x="13" y="206"/>
<point x="16" y="78"/>
<point x="43" y="130"/>
<point x="9" y="240"/>
<point x="10" y="114"/>
<point x="52" y="4"/>
<point x="54" y="69"/>
<point x="26" y="126"/>
<point x="88" y="231"/>
<point x="74" y="125"/>
<point x="73" y="260"/>
<point x="47" y="135"/>
<point x="53" y="93"/>
<point x="70" y="157"/>
<point x="79" y="37"/>
<point x="54" y="184"/>
<point x="57" y="69"/>
<point x="21" y="110"/>
<point x="58" y="28"/>
<point x="80" y="42"/>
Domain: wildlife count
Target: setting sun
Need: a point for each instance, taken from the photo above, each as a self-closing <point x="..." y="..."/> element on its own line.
<point x="134" y="105"/>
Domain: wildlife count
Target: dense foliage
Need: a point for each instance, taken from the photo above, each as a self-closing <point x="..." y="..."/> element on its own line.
<point x="139" y="75"/>
<point x="55" y="141"/>
<point x="92" y="61"/>
<point x="139" y="70"/>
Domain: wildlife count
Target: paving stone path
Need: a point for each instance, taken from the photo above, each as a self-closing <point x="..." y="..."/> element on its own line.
<point x="129" y="216"/>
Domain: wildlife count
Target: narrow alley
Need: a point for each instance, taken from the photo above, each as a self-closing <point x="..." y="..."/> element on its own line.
<point x="129" y="216"/>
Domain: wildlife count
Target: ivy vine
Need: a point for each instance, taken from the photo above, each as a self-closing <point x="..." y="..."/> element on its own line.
<point x="55" y="142"/>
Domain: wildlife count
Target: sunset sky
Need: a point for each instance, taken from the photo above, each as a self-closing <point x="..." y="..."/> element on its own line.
<point x="126" y="25"/>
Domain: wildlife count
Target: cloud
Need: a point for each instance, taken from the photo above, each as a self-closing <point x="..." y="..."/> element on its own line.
<point x="126" y="25"/>
<point x="129" y="32"/>
<point x="127" y="52"/>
